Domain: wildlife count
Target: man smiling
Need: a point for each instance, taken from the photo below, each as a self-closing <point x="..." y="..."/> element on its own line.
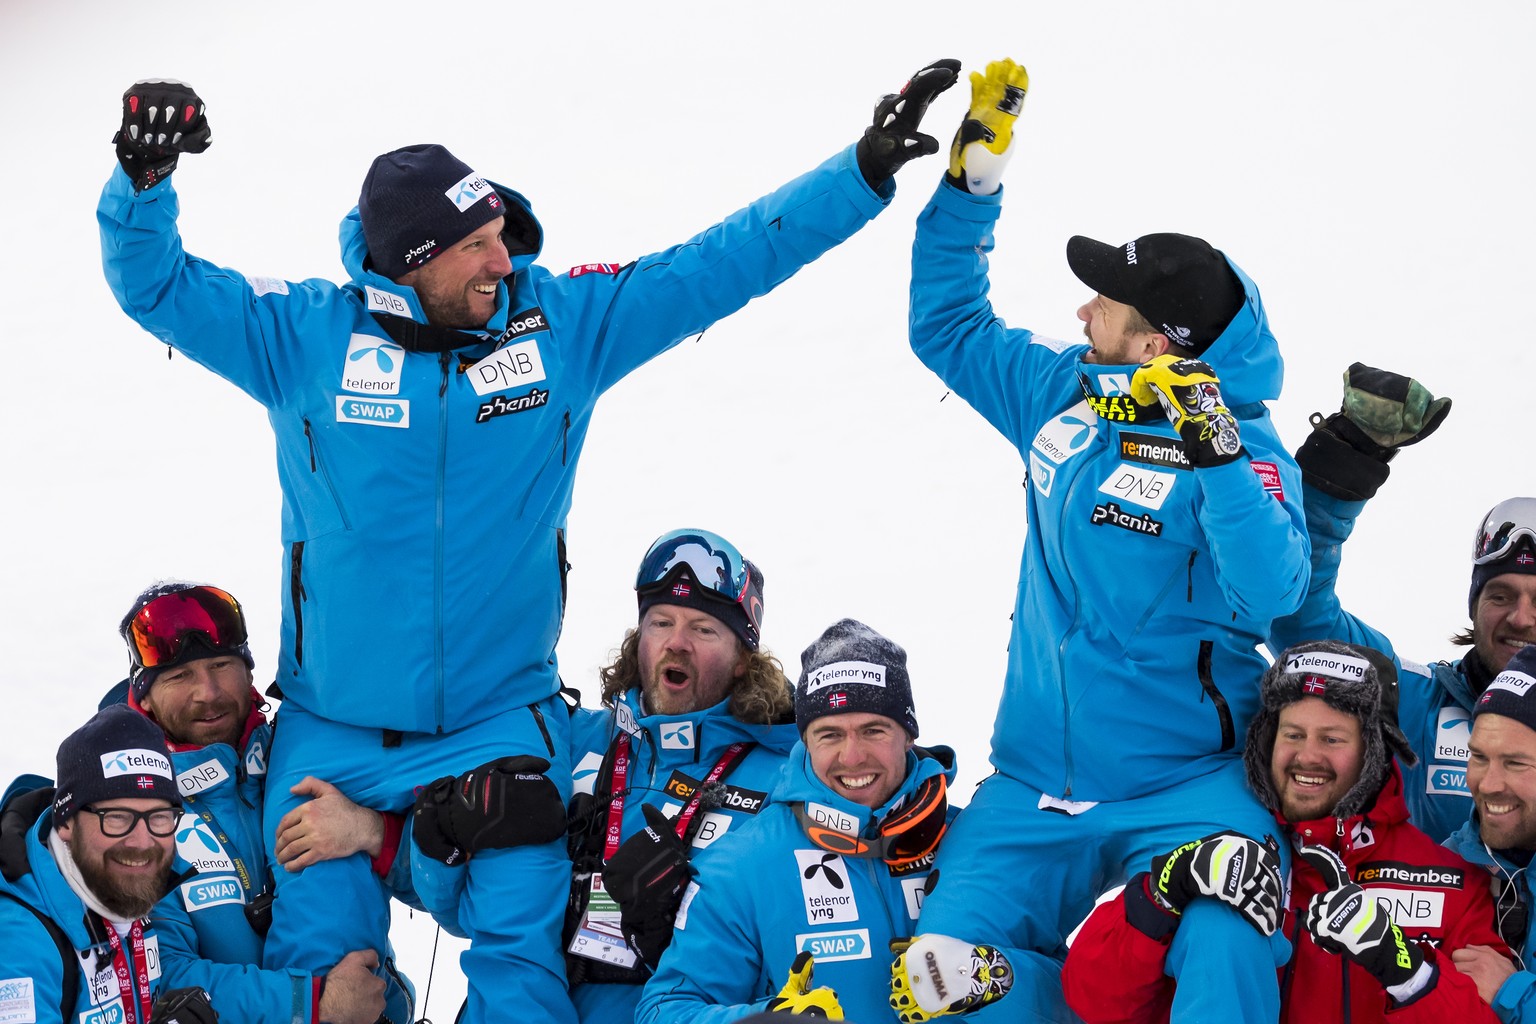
<point x="83" y="873"/>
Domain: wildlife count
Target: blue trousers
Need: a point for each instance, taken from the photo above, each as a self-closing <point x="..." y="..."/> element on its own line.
<point x="514" y="900"/>
<point x="1019" y="877"/>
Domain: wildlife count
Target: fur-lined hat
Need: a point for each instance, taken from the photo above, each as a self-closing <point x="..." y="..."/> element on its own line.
<point x="1356" y="680"/>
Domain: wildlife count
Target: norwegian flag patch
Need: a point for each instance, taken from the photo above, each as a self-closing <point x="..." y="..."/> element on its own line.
<point x="681" y="589"/>
<point x="595" y="268"/>
<point x="1315" y="685"/>
<point x="1524" y="559"/>
<point x="837" y="700"/>
<point x="1269" y="476"/>
<point x="145" y="782"/>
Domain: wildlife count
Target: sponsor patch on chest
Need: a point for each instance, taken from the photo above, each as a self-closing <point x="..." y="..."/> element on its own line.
<point x="202" y="893"/>
<point x="201" y="777"/>
<point x="1066" y="434"/>
<point x="515" y="366"/>
<point x="373" y="412"/>
<point x="372" y="366"/>
<point x="849" y="944"/>
<point x="1139" y="485"/>
<point x="826" y="888"/>
<point x="198" y="846"/>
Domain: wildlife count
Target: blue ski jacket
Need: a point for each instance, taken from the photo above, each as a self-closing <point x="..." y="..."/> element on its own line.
<point x="205" y="937"/>
<point x="1434" y="702"/>
<point x="31" y="969"/>
<point x="1146" y="586"/>
<point x="429" y="491"/>
<point x="771" y="894"/>
<point x="1515" y="1002"/>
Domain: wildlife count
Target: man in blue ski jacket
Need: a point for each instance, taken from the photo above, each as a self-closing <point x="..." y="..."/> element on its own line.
<point x="1501" y="834"/>
<point x="1344" y="461"/>
<point x="1165" y="534"/>
<point x="190" y="672"/>
<point x="798" y="910"/>
<point x="694" y="730"/>
<point x="428" y="416"/>
<point x="80" y="875"/>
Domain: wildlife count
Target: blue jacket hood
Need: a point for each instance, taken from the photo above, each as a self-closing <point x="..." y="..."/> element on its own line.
<point x="521" y="224"/>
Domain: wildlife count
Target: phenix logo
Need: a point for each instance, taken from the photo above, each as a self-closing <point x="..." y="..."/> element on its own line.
<point x="1112" y="514"/>
<point x="423" y="249"/>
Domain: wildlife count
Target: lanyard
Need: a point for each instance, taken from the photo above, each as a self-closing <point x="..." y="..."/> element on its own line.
<point x="727" y="761"/>
<point x="229" y="848"/>
<point x="130" y="980"/>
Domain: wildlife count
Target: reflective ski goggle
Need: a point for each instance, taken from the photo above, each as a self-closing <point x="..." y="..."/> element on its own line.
<point x="1506" y="524"/>
<point x="158" y="632"/>
<point x="905" y="836"/>
<point x="712" y="561"/>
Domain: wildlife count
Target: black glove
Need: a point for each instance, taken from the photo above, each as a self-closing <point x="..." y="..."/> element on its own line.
<point x="1190" y="394"/>
<point x="1225" y="866"/>
<point x="893" y="138"/>
<point x="183" y="1006"/>
<point x="646" y="877"/>
<point x="1348" y="920"/>
<point x="162" y="118"/>
<point x="1346" y="455"/>
<point x="508" y="802"/>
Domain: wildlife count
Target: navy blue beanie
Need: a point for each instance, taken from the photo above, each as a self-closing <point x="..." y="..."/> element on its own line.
<point x="418" y="201"/>
<point x="118" y="755"/>
<point x="851" y="668"/>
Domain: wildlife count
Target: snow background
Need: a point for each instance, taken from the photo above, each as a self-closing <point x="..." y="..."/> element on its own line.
<point x="1366" y="163"/>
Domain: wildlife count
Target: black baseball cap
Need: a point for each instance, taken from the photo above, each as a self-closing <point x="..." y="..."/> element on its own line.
<point x="1180" y="283"/>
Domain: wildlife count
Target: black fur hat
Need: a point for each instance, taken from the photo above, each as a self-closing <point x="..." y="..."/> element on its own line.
<point x="1351" y="678"/>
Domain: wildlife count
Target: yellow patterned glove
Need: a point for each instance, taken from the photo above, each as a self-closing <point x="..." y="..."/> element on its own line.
<point x="797" y="996"/>
<point x="1190" y="394"/>
<point x="935" y="975"/>
<point x="984" y="142"/>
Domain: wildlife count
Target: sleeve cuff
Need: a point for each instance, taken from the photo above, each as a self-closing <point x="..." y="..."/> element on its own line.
<point x="394" y="825"/>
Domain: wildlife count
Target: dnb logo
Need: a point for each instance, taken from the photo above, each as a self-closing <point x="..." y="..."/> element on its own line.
<point x="825" y="887"/>
<point x="852" y="944"/>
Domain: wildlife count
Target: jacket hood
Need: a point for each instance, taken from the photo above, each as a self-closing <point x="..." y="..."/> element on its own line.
<point x="799" y="782"/>
<point x="523" y="235"/>
<point x="1245" y="356"/>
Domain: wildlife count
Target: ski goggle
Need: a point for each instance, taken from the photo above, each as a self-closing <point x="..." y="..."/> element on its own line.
<point x="1506" y="524"/>
<point x="158" y="632"/>
<point x="712" y="561"/>
<point x="908" y="834"/>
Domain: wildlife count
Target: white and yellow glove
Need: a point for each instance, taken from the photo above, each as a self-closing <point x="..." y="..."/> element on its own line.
<point x="798" y="997"/>
<point x="984" y="142"/>
<point x="1190" y="394"/>
<point x="937" y="975"/>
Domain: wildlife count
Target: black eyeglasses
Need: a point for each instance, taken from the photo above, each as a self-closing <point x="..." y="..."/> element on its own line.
<point x="117" y="822"/>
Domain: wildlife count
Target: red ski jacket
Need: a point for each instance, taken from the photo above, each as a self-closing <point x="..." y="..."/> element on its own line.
<point x="1114" y="972"/>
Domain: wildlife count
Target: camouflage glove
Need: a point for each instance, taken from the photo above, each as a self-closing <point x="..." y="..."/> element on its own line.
<point x="984" y="142"/>
<point x="893" y="138"/>
<point x="162" y="118"/>
<point x="1190" y="394"/>
<point x="1225" y="866"/>
<point x="1348" y="920"/>
<point x="798" y="997"/>
<point x="1346" y="455"/>
<point x="935" y="975"/>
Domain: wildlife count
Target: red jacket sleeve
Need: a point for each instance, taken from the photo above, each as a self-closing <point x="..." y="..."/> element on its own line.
<point x="1114" y="973"/>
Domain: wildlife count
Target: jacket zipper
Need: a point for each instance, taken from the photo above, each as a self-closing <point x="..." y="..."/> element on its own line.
<point x="1209" y="689"/>
<point x="297" y="597"/>
<point x="437" y="543"/>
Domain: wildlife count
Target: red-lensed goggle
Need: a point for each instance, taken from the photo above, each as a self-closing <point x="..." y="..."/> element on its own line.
<point x="1506" y="525"/>
<point x="158" y="633"/>
<point x="908" y="834"/>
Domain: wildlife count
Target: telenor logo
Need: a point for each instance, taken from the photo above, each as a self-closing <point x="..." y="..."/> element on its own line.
<point x="134" y="762"/>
